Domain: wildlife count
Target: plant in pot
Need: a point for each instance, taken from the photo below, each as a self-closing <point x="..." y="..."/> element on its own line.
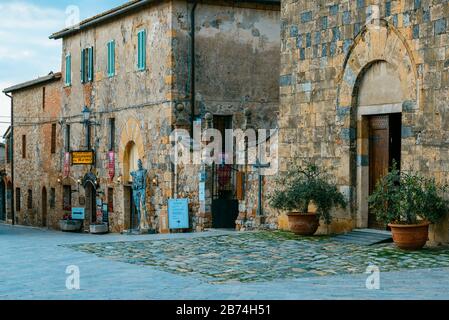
<point x="408" y="203"/>
<point x="69" y="225"/>
<point x="300" y="187"/>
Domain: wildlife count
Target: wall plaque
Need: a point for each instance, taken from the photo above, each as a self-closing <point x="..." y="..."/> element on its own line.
<point x="178" y="213"/>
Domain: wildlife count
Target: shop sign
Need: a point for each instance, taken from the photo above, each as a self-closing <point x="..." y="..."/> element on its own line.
<point x="83" y="158"/>
<point x="78" y="213"/>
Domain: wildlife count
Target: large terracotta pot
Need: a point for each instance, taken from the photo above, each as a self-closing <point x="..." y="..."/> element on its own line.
<point x="410" y="237"/>
<point x="304" y="224"/>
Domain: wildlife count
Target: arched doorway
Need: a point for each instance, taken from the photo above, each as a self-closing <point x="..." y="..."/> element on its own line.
<point x="2" y="200"/>
<point x="130" y="158"/>
<point x="44" y="207"/>
<point x="379" y="100"/>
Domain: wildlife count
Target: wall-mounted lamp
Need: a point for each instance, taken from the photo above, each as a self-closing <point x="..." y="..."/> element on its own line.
<point x="119" y="180"/>
<point x="79" y="181"/>
<point x="59" y="180"/>
<point x="155" y="181"/>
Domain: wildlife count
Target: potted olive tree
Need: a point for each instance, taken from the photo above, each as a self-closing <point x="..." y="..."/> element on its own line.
<point x="408" y="203"/>
<point x="300" y="187"/>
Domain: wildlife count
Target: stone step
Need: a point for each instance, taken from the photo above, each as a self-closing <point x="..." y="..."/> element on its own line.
<point x="365" y="237"/>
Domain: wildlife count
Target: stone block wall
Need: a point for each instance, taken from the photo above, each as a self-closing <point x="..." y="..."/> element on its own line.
<point x="327" y="48"/>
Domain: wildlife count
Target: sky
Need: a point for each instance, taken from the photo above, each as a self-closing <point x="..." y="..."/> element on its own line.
<point x="25" y="50"/>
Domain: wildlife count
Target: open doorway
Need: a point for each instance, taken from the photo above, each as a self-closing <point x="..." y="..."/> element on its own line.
<point x="44" y="207"/>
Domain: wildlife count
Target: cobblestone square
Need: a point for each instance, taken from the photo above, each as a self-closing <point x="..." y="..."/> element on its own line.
<point x="264" y="256"/>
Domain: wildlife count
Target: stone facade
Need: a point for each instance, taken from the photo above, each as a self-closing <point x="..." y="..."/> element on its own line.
<point x="37" y="163"/>
<point x="236" y="67"/>
<point x="345" y="60"/>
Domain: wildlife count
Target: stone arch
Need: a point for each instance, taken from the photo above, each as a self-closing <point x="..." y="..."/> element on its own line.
<point x="379" y="44"/>
<point x="131" y="136"/>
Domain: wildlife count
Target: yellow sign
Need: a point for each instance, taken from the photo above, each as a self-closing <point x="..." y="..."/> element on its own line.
<point x="83" y="158"/>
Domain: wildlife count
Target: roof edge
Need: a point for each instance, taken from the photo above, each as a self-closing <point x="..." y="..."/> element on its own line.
<point x="50" y="77"/>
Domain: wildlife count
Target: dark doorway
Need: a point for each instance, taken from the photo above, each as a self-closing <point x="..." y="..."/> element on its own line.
<point x="44" y="207"/>
<point x="131" y="222"/>
<point x="2" y="201"/>
<point x="225" y="206"/>
<point x="384" y="149"/>
<point x="91" y="202"/>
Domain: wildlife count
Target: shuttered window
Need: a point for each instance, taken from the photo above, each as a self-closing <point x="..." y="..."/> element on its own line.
<point x="83" y="66"/>
<point x="90" y="71"/>
<point x="141" y="50"/>
<point x="24" y="146"/>
<point x="68" y="70"/>
<point x="111" y="58"/>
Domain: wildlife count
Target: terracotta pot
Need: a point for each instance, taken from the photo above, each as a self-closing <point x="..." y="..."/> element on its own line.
<point x="410" y="237"/>
<point x="304" y="224"/>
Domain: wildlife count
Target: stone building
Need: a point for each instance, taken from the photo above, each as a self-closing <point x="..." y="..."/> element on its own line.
<point x="131" y="76"/>
<point x="362" y="83"/>
<point x="36" y="158"/>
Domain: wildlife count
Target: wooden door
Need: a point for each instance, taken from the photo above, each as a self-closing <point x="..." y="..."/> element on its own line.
<point x="44" y="207"/>
<point x="379" y="157"/>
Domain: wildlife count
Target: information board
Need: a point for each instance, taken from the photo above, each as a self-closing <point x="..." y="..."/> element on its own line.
<point x="83" y="158"/>
<point x="178" y="213"/>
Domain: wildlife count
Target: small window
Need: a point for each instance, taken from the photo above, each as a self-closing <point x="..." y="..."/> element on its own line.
<point x="111" y="58"/>
<point x="53" y="138"/>
<point x="110" y="199"/>
<point x="67" y="198"/>
<point x="30" y="199"/>
<point x="52" y="198"/>
<point x="18" y="198"/>
<point x="68" y="70"/>
<point x="141" y="50"/>
<point x="24" y="146"/>
<point x="43" y="98"/>
<point x="111" y="134"/>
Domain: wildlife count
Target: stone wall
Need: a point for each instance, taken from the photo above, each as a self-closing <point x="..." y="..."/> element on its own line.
<point x="39" y="170"/>
<point x="327" y="48"/>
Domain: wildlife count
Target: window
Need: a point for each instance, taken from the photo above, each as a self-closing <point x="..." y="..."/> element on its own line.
<point x="53" y="138"/>
<point x="111" y="58"/>
<point x="111" y="134"/>
<point x="67" y="138"/>
<point x="67" y="198"/>
<point x="110" y="199"/>
<point x="141" y="50"/>
<point x="24" y="146"/>
<point x="8" y="152"/>
<point x="43" y="98"/>
<point x="87" y="65"/>
<point x="52" y="198"/>
<point x="30" y="199"/>
<point x="68" y="70"/>
<point x="18" y="199"/>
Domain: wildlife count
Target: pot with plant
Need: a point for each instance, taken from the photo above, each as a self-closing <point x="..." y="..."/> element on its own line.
<point x="300" y="187"/>
<point x="68" y="225"/>
<point x="408" y="203"/>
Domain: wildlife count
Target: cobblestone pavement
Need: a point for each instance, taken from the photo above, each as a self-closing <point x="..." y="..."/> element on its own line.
<point x="264" y="256"/>
<point x="33" y="265"/>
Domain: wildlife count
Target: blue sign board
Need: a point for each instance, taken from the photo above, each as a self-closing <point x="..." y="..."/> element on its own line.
<point x="178" y="213"/>
<point x="78" y="214"/>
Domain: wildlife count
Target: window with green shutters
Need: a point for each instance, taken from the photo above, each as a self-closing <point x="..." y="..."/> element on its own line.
<point x="68" y="70"/>
<point x="111" y="58"/>
<point x="87" y="65"/>
<point x="141" y="50"/>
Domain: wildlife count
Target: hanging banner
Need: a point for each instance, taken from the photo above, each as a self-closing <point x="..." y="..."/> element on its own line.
<point x="111" y="164"/>
<point x="66" y="164"/>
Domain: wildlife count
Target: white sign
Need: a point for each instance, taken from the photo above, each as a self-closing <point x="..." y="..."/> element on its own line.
<point x="78" y="214"/>
<point x="202" y="191"/>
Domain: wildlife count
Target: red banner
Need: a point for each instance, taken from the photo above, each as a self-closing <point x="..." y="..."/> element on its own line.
<point x="66" y="164"/>
<point x="111" y="164"/>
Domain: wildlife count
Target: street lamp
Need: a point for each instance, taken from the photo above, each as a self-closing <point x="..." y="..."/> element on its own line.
<point x="86" y="114"/>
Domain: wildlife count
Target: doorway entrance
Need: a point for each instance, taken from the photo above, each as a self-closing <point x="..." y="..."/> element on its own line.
<point x="91" y="202"/>
<point x="225" y="206"/>
<point x="384" y="149"/>
<point x="131" y="221"/>
<point x="44" y="207"/>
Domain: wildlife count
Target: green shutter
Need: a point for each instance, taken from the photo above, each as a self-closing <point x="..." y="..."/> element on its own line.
<point x="83" y="66"/>
<point x="111" y="58"/>
<point x="90" y="72"/>
<point x="68" y="70"/>
<point x="141" y="50"/>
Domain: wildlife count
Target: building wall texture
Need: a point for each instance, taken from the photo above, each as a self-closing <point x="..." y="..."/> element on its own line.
<point x="341" y="58"/>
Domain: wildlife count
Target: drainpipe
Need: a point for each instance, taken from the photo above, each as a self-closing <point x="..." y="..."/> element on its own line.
<point x="192" y="73"/>
<point x="11" y="151"/>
